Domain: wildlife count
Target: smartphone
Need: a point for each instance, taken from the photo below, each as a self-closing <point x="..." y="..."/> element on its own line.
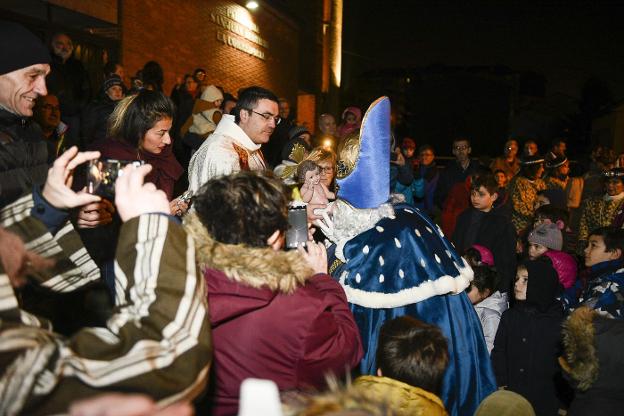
<point x="102" y="174"/>
<point x="297" y="232"/>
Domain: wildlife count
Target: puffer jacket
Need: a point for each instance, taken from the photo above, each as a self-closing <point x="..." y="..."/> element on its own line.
<point x="23" y="156"/>
<point x="402" y="398"/>
<point x="565" y="266"/>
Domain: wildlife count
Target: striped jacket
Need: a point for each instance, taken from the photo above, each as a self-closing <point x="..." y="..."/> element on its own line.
<point x="157" y="341"/>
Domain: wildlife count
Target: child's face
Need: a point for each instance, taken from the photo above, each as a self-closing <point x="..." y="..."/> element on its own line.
<point x="408" y="151"/>
<point x="501" y="179"/>
<point x="475" y="296"/>
<point x="596" y="252"/>
<point x="536" y="250"/>
<point x="520" y="286"/>
<point x="350" y="118"/>
<point x="313" y="177"/>
<point x="481" y="199"/>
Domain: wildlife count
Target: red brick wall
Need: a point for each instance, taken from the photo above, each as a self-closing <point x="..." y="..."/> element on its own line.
<point x="181" y="36"/>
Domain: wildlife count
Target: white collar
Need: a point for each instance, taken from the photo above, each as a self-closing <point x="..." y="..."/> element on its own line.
<point x="228" y="127"/>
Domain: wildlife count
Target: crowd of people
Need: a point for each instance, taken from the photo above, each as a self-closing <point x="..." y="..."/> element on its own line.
<point x="143" y="267"/>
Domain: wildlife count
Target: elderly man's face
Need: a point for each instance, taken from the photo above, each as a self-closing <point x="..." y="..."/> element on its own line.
<point x="19" y="89"/>
<point x="48" y="112"/>
<point x="62" y="46"/>
<point x="327" y="124"/>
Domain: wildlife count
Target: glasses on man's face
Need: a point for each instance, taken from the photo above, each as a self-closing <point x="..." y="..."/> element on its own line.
<point x="460" y="148"/>
<point x="267" y="116"/>
<point x="50" y="107"/>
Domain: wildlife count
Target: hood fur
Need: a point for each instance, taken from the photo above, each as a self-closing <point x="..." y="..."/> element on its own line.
<point x="282" y="271"/>
<point x="580" y="347"/>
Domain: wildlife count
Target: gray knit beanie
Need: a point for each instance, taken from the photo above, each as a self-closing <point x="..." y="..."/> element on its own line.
<point x="548" y="235"/>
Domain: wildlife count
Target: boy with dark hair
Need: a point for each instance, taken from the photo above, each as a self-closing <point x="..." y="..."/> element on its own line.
<point x="412" y="357"/>
<point x="483" y="225"/>
<point x="600" y="289"/>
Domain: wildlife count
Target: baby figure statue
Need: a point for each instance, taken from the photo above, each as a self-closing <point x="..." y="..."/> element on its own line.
<point x="313" y="191"/>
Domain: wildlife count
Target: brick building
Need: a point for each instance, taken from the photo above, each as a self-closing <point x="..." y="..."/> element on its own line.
<point x="280" y="45"/>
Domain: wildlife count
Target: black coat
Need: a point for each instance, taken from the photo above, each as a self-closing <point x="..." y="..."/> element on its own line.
<point x="69" y="81"/>
<point x="95" y="120"/>
<point x="526" y="349"/>
<point x="496" y="232"/>
<point x="23" y="156"/>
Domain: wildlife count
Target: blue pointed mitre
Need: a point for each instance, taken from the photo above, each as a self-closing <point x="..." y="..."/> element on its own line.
<point x="368" y="184"/>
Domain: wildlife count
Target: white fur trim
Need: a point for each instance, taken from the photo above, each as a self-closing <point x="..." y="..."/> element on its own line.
<point x="441" y="286"/>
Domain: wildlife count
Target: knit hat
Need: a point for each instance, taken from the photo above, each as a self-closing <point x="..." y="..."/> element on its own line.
<point x="20" y="48"/>
<point x="112" y="81"/>
<point x="547" y="235"/>
<point x="297" y="131"/>
<point x="486" y="255"/>
<point x="554" y="161"/>
<point x="212" y="94"/>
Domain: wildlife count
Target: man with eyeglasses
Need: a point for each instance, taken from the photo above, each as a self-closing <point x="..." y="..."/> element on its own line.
<point x="47" y="113"/>
<point x="456" y="171"/>
<point x="235" y="144"/>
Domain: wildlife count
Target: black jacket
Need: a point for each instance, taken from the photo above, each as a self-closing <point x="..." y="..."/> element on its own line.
<point x="525" y="354"/>
<point x="492" y="230"/>
<point x="95" y="120"/>
<point x="23" y="156"/>
<point x="69" y="81"/>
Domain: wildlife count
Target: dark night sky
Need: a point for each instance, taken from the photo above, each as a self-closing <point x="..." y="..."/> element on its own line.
<point x="566" y="41"/>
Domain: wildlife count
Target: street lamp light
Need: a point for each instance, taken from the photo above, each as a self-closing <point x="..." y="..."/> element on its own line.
<point x="252" y="5"/>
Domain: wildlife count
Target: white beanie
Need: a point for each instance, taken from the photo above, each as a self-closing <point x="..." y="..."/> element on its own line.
<point x="212" y="94"/>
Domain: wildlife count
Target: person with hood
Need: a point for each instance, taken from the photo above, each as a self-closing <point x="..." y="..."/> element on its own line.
<point x="274" y="314"/>
<point x="594" y="360"/>
<point x="527" y="342"/>
<point x="392" y="260"/>
<point x="351" y="121"/>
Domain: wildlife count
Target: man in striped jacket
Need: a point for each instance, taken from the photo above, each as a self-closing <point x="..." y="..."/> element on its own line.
<point x="157" y="341"/>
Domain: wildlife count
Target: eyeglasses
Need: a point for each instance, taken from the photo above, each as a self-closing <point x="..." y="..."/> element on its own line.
<point x="50" y="107"/>
<point x="462" y="147"/>
<point x="267" y="117"/>
<point x="327" y="169"/>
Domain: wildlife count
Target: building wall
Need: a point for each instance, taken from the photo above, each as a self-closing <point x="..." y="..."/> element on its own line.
<point x="183" y="35"/>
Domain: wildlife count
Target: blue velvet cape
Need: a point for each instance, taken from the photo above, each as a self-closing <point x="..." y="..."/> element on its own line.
<point x="405" y="266"/>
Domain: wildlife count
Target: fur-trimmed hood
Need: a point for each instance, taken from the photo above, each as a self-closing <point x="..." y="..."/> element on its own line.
<point x="581" y="360"/>
<point x="593" y="351"/>
<point x="259" y="268"/>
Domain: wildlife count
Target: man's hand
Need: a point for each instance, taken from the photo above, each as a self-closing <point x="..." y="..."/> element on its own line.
<point x="95" y="214"/>
<point x="134" y="198"/>
<point x="16" y="261"/>
<point x="315" y="255"/>
<point x="57" y="189"/>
